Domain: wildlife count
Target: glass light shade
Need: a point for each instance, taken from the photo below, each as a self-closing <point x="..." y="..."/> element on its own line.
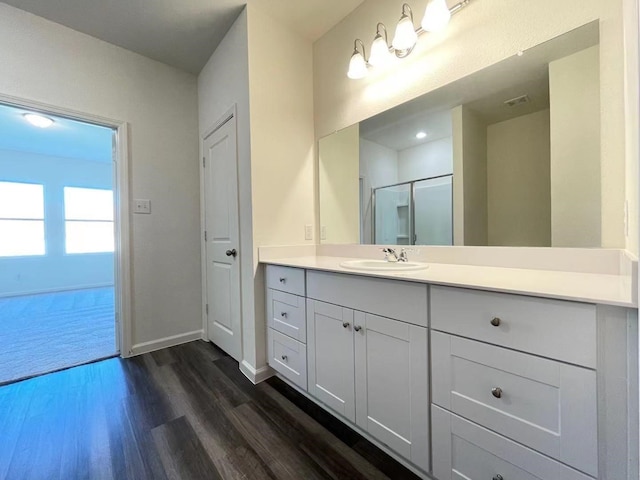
<point x="380" y="54"/>
<point x="39" y="121"/>
<point x="406" y="36"/>
<point x="357" y="66"/>
<point x="437" y="16"/>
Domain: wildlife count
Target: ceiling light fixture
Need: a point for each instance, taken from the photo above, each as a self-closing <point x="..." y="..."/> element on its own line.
<point x="436" y="18"/>
<point x="38" y="120"/>
<point x="421" y="135"/>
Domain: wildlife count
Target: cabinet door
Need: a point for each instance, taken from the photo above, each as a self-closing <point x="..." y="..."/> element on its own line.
<point x="330" y="356"/>
<point x="392" y="398"/>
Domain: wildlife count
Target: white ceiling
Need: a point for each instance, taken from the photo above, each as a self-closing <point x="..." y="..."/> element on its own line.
<point x="181" y="33"/>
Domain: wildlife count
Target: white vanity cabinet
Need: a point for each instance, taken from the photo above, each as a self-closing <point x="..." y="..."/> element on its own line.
<point x="511" y="376"/>
<point x="463" y="383"/>
<point x="286" y="321"/>
<point x="369" y="368"/>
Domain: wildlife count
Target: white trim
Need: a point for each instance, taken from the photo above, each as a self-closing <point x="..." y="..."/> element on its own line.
<point x="256" y="376"/>
<point x="172" y="341"/>
<point x="122" y="219"/>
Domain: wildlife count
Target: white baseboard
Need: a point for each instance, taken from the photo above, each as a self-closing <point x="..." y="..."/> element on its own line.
<point x="146" y="347"/>
<point x="256" y="376"/>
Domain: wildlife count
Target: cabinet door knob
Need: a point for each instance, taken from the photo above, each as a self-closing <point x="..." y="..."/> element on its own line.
<point x="496" y="392"/>
<point x="357" y="328"/>
<point x="282" y="279"/>
<point x="498" y="477"/>
<point x="345" y="324"/>
<point x="284" y="357"/>
<point x="283" y="314"/>
<point x="495" y="321"/>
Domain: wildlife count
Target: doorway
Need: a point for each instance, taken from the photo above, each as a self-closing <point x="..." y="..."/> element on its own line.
<point x="221" y="224"/>
<point x="59" y="298"/>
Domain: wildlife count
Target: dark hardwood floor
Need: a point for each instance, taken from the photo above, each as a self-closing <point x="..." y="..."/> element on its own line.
<point x="185" y="412"/>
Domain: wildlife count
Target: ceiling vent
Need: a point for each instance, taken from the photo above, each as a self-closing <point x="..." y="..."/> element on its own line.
<point x="517" y="101"/>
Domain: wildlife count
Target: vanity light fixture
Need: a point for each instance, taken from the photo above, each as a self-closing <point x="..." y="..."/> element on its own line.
<point x="380" y="54"/>
<point x="358" y="64"/>
<point x="37" y="120"/>
<point x="406" y="36"/>
<point x="421" y="135"/>
<point x="436" y="18"/>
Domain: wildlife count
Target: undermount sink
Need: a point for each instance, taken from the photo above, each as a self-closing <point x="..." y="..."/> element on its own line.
<point x="383" y="265"/>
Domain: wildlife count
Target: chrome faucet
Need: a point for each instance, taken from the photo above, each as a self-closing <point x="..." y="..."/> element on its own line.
<point x="390" y="255"/>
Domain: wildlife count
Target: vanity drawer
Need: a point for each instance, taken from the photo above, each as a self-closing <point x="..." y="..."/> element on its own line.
<point x="288" y="357"/>
<point x="400" y="300"/>
<point x="544" y="404"/>
<point x="286" y="279"/>
<point x="551" y="328"/>
<point x="286" y="314"/>
<point x="463" y="450"/>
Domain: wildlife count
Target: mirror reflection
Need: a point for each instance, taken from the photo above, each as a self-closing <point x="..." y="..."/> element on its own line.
<point x="508" y="156"/>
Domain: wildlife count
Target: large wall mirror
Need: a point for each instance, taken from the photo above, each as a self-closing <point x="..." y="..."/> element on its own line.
<point x="508" y="156"/>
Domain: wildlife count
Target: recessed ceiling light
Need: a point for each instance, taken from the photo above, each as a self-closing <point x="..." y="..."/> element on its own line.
<point x="421" y="135"/>
<point x="38" y="120"/>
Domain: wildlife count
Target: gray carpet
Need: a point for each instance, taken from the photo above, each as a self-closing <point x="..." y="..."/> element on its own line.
<point x="43" y="333"/>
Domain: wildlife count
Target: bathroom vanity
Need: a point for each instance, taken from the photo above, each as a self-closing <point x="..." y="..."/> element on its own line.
<point x="464" y="371"/>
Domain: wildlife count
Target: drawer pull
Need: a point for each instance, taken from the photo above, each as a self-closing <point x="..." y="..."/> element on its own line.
<point x="496" y="392"/>
<point x="357" y="328"/>
<point x="283" y="280"/>
<point x="498" y="477"/>
<point x="495" y="321"/>
<point x="283" y="314"/>
<point x="284" y="357"/>
<point x="345" y="324"/>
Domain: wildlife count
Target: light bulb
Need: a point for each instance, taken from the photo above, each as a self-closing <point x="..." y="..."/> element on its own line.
<point x="437" y="16"/>
<point x="380" y="54"/>
<point x="39" y="121"/>
<point x="357" y="66"/>
<point x="406" y="36"/>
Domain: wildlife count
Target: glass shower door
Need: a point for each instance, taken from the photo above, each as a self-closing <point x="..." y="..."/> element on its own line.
<point x="434" y="211"/>
<point x="393" y="222"/>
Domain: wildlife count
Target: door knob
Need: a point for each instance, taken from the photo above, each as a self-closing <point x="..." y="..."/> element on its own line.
<point x="345" y="324"/>
<point x="231" y="253"/>
<point x="357" y="328"/>
<point x="283" y="314"/>
<point x="495" y="321"/>
<point x="284" y="357"/>
<point x="496" y="392"/>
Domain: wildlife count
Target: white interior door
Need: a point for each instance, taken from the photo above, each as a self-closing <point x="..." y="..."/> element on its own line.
<point x="222" y="238"/>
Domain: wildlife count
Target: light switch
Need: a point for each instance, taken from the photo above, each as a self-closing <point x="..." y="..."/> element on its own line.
<point x="141" y="206"/>
<point x="308" y="232"/>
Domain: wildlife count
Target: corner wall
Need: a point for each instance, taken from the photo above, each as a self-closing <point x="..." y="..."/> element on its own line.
<point x="46" y="62"/>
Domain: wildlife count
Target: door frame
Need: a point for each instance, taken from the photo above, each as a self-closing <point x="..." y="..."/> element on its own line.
<point x="122" y="220"/>
<point x="229" y="114"/>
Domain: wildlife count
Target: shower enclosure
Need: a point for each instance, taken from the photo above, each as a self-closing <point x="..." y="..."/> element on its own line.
<point x="419" y="212"/>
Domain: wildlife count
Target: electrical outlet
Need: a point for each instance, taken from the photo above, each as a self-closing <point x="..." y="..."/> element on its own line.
<point x="308" y="232"/>
<point x="142" y="206"/>
<point x="323" y="232"/>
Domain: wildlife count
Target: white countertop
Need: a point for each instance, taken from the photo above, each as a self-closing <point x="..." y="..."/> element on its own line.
<point x="598" y="288"/>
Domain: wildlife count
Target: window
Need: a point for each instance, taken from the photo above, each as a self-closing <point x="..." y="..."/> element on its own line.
<point x="21" y="219"/>
<point x="88" y="214"/>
